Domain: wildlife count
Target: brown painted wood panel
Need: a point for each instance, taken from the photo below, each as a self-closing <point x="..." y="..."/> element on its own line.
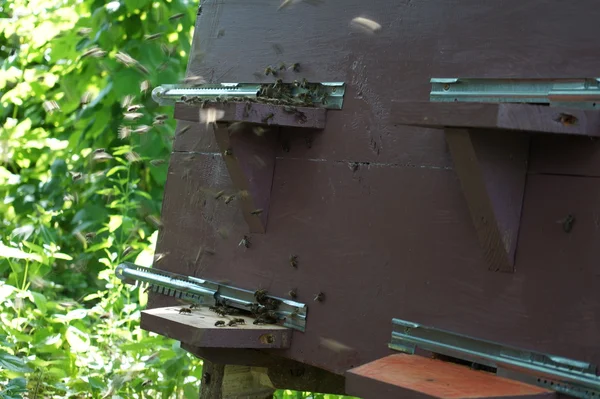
<point x="375" y="212"/>
<point x="408" y="376"/>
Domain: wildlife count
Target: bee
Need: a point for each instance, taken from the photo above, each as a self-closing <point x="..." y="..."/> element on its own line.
<point x="284" y="4"/>
<point x="260" y="295"/>
<point x="125" y="59"/>
<point x="243" y="194"/>
<point x="267" y="118"/>
<point x="304" y="83"/>
<point x="319" y="297"/>
<point x="295" y="312"/>
<point x="154" y="221"/>
<point x="228" y="152"/>
<point x="259" y="131"/>
<point x="222" y="311"/>
<point x="294" y="260"/>
<point x="84" y="31"/>
<point x="99" y="150"/>
<point x="219" y="194"/>
<point x="132" y="116"/>
<point x="141" y="129"/>
<point x="153" y="36"/>
<point x="101" y="156"/>
<point x="295" y="67"/>
<point x="133" y="156"/>
<point x="367" y="25"/>
<point x="124" y="132"/>
<point x="144" y="86"/>
<point x="185" y="311"/>
<point x="157" y="162"/>
<point x="90" y="236"/>
<point x="270" y="71"/>
<point x="567" y="223"/>
<point x="245" y="242"/>
<point x="232" y="323"/>
<point x="161" y="117"/>
<point x="135" y="107"/>
<point x="158" y="122"/>
<point x="86" y="98"/>
<point x="184" y="129"/>
<point x="159" y="257"/>
<point x="127" y="101"/>
<point x="235" y="127"/>
<point x="95" y="52"/>
<point x="51" y="106"/>
<point x="309" y="141"/>
<point x="272" y="304"/>
<point x="289" y="109"/>
<point x="142" y="69"/>
<point x="193" y="80"/>
<point x="239" y="320"/>
<point x="229" y="198"/>
<point x="175" y="17"/>
<point x="221" y="33"/>
<point x="256" y="212"/>
<point x="211" y="115"/>
<point x="282" y="66"/>
<point x="567" y="119"/>
<point x="126" y="252"/>
<point x="277" y="48"/>
<point x="219" y="323"/>
<point x="292" y="293"/>
<point x="285" y="146"/>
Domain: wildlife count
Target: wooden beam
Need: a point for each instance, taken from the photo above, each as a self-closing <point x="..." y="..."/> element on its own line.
<point x="198" y="329"/>
<point x="417" y="377"/>
<point x="221" y="381"/>
<point x="492" y="169"/>
<point x="521" y="117"/>
<point x="267" y="114"/>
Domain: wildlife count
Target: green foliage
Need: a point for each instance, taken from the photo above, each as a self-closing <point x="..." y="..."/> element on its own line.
<point x="78" y="198"/>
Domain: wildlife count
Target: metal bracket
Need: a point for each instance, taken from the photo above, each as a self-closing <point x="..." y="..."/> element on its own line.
<point x="328" y="95"/>
<point x="205" y="292"/>
<point x="573" y="93"/>
<point x="557" y="373"/>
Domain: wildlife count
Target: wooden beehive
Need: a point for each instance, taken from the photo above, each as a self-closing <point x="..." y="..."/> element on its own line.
<point x="456" y="223"/>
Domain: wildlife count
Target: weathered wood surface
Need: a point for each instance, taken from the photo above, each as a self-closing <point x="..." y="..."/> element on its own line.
<point x="374" y="211"/>
<point x="520" y="117"/>
<point x="198" y="329"/>
<point x="409" y="376"/>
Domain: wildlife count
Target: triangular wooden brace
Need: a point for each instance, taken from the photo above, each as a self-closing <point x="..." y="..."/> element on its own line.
<point x="250" y="161"/>
<point x="492" y="168"/>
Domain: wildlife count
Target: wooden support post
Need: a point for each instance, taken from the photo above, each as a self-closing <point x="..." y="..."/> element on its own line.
<point x="221" y="381"/>
<point x="492" y="169"/>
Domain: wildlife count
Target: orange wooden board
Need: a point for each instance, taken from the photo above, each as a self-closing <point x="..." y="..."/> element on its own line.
<point x="411" y="376"/>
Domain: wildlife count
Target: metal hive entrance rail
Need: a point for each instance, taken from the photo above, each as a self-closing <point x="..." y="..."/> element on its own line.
<point x="568" y="376"/>
<point x="205" y="292"/>
<point x="574" y="93"/>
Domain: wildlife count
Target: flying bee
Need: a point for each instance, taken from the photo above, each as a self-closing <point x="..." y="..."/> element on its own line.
<point x="141" y="129"/>
<point x="176" y="16"/>
<point x="125" y="59"/>
<point x="132" y="116"/>
<point x="51" y="106"/>
<point x="256" y="212"/>
<point x="154" y="221"/>
<point x="567" y="223"/>
<point x="157" y="162"/>
<point x="289" y="109"/>
<point x="153" y="36"/>
<point x="295" y="67"/>
<point x="158" y="122"/>
<point x="219" y="194"/>
<point x="319" y="297"/>
<point x="185" y="311"/>
<point x="144" y="86"/>
<point x="282" y="66"/>
<point x="245" y="242"/>
<point x="292" y="293"/>
<point x="219" y="323"/>
<point x="126" y="252"/>
<point x="90" y="236"/>
<point x="135" y="107"/>
<point x="304" y="83"/>
<point x="159" y="257"/>
<point x="76" y="175"/>
<point x="161" y="117"/>
<point x="142" y="69"/>
<point x="294" y="260"/>
<point x="228" y="152"/>
<point x="84" y="31"/>
<point x="211" y="115"/>
<point x="133" y="156"/>
<point x="259" y="131"/>
<point x="567" y="119"/>
<point x="184" y="129"/>
<point x="193" y="80"/>
<point x="235" y="127"/>
<point x="229" y="198"/>
<point x="101" y="156"/>
<point x="127" y="101"/>
<point x="94" y="52"/>
<point x="86" y="98"/>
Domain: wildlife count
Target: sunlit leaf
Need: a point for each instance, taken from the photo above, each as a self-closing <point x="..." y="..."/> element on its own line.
<point x="115" y="222"/>
<point x="78" y="340"/>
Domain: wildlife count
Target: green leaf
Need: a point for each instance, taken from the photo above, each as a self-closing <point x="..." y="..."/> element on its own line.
<point x="78" y="340"/>
<point x="40" y="301"/>
<point x="115" y="169"/>
<point x="13" y="363"/>
<point x="115" y="222"/>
